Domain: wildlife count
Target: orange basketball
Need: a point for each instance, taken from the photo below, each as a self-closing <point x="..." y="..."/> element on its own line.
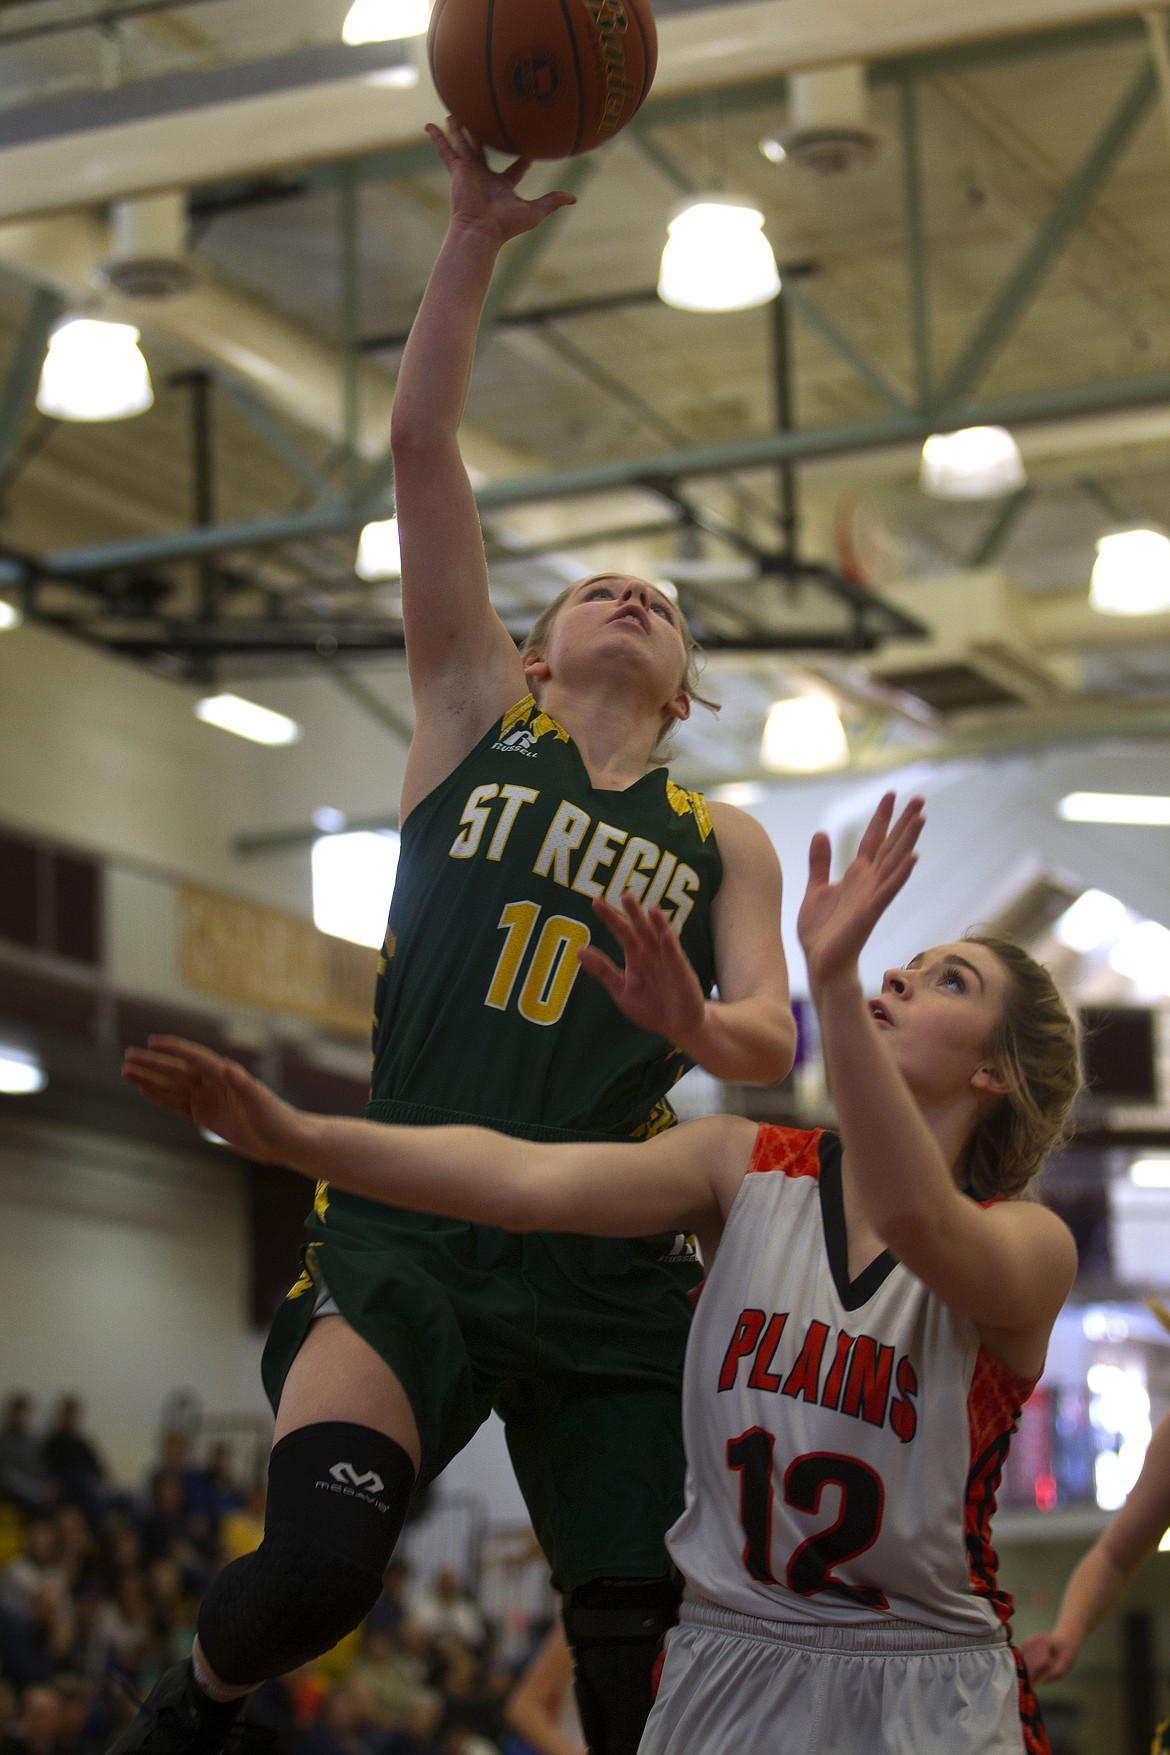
<point x="542" y="78"/>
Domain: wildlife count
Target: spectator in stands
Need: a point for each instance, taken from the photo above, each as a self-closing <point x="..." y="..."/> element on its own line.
<point x="345" y="1726"/>
<point x="34" y="1643"/>
<point x="77" y="1545"/>
<point x="79" y="1731"/>
<point x="242" y="1530"/>
<point x="23" y="1479"/>
<point x="393" y="1677"/>
<point x="71" y="1458"/>
<point x="212" y="1491"/>
<point x="35" y="1731"/>
<point x="40" y="1564"/>
<point x="389" y="1612"/>
<point x="91" y="1655"/>
<point x="7" y="1710"/>
<point x="447" y="1611"/>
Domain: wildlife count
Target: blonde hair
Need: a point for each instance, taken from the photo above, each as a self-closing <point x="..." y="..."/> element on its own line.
<point x="1036" y="1052"/>
<point x="692" y="654"/>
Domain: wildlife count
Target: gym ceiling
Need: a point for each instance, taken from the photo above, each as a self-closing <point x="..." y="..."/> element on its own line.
<point x="996" y="249"/>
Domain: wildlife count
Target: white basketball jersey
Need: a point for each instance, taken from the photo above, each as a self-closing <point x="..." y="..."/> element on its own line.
<point x="844" y="1440"/>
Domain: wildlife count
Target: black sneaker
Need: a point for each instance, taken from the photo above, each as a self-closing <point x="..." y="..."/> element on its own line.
<point x="177" y="1718"/>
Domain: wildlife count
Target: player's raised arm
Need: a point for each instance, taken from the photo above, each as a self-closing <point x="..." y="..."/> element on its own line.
<point x="913" y="1075"/>
<point x="463" y="664"/>
<point x="683" y="1180"/>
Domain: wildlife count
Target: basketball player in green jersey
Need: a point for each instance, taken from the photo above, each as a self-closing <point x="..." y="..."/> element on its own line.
<point x="561" y="915"/>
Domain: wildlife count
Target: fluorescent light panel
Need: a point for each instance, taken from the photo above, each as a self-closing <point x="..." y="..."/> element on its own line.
<point x="1143" y="810"/>
<point x="247" y="719"/>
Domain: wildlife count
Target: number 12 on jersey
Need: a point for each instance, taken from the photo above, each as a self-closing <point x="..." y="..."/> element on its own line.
<point x="858" y="1521"/>
<point x="552" y="968"/>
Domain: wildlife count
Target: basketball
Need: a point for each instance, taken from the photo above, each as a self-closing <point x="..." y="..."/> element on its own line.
<point x="542" y="78"/>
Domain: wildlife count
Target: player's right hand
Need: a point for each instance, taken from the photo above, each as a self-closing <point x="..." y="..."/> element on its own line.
<point x="485" y="198"/>
<point x="1049" y="1656"/>
<point x="216" y="1094"/>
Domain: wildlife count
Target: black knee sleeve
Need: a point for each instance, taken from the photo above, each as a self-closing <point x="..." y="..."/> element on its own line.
<point x="337" y="1498"/>
<point x="615" y="1628"/>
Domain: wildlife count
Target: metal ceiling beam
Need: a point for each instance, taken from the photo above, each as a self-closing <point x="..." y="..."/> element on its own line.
<point x="1001" y="321"/>
<point x="24" y="370"/>
<point x="759" y="452"/>
<point x="268" y="425"/>
<point x="408" y="160"/>
<point x="919" y="306"/>
<point x="1002" y="524"/>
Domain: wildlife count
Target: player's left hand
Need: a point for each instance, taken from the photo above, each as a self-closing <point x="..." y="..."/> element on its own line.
<point x="657" y="989"/>
<point x="836" y="919"/>
<point x="216" y="1094"/>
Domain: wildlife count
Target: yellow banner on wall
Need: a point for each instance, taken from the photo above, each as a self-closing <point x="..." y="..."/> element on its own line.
<point x="272" y="961"/>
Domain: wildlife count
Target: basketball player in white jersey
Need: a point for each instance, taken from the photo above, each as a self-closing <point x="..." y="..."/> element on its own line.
<point x="876" y="1312"/>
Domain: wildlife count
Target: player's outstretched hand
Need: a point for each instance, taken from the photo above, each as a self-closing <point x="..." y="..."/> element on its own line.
<point x="1049" y="1656"/>
<point x="657" y="989"/>
<point x="483" y="197"/>
<point x="836" y="919"/>
<point x="216" y="1094"/>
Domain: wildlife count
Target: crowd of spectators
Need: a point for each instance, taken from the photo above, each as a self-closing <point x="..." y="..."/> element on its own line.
<point x="100" y="1587"/>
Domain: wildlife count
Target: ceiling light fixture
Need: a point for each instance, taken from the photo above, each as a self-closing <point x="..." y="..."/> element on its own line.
<point x="379" y="554"/>
<point x="1136" y="809"/>
<point x="94" y="371"/>
<point x="976" y="463"/>
<point x="717" y="257"/>
<point x="247" y="719"/>
<point x="1131" y="575"/>
<point x="1094" y="919"/>
<point x="10" y="616"/>
<point x="384" y="21"/>
<point x="21" y="1074"/>
<point x="1143" y="955"/>
<point x="804" y="736"/>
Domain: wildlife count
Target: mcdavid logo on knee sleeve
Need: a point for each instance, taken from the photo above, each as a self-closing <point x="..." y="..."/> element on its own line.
<point x="346" y="1481"/>
<point x="345" y="1474"/>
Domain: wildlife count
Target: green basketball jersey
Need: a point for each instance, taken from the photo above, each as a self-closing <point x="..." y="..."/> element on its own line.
<point x="482" y="1011"/>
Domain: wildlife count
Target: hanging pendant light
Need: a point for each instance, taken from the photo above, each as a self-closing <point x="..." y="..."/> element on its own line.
<point x="804" y="735"/>
<point x="976" y="463"/>
<point x="717" y="257"/>
<point x="379" y="554"/>
<point x="94" y="371"/>
<point x="1132" y="573"/>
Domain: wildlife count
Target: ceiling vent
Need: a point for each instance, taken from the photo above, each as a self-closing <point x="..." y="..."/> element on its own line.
<point x="829" y="131"/>
<point x="150" y="259"/>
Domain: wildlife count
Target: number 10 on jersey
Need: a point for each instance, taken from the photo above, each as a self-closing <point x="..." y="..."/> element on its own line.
<point x="552" y="967"/>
